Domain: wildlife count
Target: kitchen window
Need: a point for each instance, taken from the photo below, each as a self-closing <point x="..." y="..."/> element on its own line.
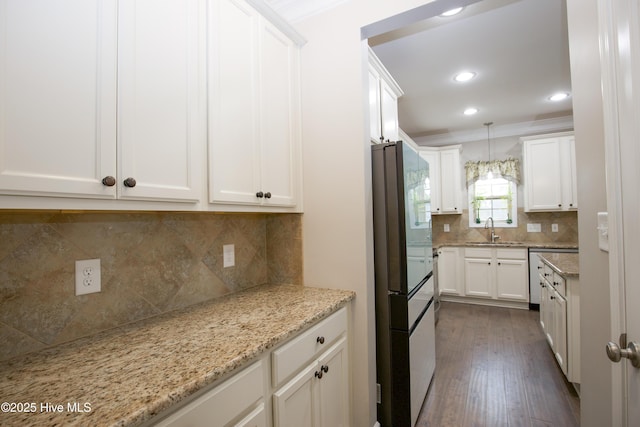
<point x="493" y="197"/>
<point x="493" y="192"/>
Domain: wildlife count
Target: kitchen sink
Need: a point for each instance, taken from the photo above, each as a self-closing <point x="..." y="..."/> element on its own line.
<point x="498" y="243"/>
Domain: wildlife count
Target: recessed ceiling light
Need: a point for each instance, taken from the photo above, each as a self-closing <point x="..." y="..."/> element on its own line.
<point x="470" y="111"/>
<point x="464" y="76"/>
<point x="452" y="12"/>
<point x="558" y="96"/>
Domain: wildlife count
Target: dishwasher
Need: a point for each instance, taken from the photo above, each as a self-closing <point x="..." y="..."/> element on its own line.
<point x="534" y="288"/>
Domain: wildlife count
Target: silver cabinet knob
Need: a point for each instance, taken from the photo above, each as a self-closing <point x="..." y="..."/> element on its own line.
<point x="632" y="352"/>
<point x="130" y="182"/>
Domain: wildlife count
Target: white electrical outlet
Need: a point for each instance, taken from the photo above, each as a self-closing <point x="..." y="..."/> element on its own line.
<point x="554" y="228"/>
<point x="228" y="256"/>
<point x="534" y="228"/>
<point x="88" y="276"/>
<point x="447" y="228"/>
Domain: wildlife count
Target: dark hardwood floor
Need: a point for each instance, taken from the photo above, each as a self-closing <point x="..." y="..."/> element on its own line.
<point x="494" y="368"/>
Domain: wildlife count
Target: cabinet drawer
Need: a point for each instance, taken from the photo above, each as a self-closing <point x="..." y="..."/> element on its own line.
<point x="505" y="253"/>
<point x="560" y="284"/>
<point x="224" y="403"/>
<point x="289" y="358"/>
<point x="478" y="252"/>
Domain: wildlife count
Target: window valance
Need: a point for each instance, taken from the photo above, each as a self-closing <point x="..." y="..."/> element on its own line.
<point x="508" y="169"/>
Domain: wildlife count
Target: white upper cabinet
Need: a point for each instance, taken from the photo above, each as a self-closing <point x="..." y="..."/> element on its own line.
<point x="550" y="172"/>
<point x="450" y="192"/>
<point x="102" y="99"/>
<point x="383" y="102"/>
<point x="444" y="176"/>
<point x="58" y="97"/>
<point x="108" y="104"/>
<point x="161" y="94"/>
<point x="254" y="134"/>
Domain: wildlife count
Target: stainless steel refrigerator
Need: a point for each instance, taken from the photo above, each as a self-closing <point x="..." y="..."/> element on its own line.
<point x="405" y="328"/>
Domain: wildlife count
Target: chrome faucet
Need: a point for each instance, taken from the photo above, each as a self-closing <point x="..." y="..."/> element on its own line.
<point x="493" y="231"/>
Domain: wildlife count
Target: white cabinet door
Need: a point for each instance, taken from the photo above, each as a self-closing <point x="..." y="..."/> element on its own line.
<point x="550" y="182"/>
<point x="544" y="305"/>
<point x="478" y="277"/>
<point x="560" y="329"/>
<point x="511" y="279"/>
<point x="383" y="102"/>
<point x="161" y="126"/>
<point x="388" y="112"/>
<point x="433" y="159"/>
<point x="318" y="395"/>
<point x="295" y="404"/>
<point x="543" y="178"/>
<point x="375" y="127"/>
<point x="254" y="109"/>
<point x="58" y="97"/>
<point x="444" y="177"/>
<point x="334" y="386"/>
<point x="569" y="174"/>
<point x="450" y="181"/>
<point x="448" y="275"/>
<point x="279" y="118"/>
<point x="234" y="151"/>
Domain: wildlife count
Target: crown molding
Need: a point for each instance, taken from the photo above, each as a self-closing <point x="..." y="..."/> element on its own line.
<point x="534" y="127"/>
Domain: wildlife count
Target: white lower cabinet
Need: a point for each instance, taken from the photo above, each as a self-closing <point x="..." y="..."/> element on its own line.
<point x="450" y="271"/>
<point x="303" y="382"/>
<point x="560" y="319"/>
<point x="478" y="275"/>
<point x="497" y="273"/>
<point x="317" y="396"/>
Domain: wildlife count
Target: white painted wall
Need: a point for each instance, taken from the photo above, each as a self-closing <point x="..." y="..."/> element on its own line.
<point x="337" y="224"/>
<point x="596" y="374"/>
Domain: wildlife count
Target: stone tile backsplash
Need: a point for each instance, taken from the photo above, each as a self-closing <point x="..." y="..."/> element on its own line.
<point x="151" y="263"/>
<point x="460" y="232"/>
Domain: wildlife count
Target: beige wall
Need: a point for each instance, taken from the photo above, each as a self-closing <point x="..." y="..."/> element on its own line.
<point x="151" y="263"/>
<point x="595" y="407"/>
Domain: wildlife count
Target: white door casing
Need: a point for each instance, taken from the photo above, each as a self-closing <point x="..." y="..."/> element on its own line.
<point x="620" y="65"/>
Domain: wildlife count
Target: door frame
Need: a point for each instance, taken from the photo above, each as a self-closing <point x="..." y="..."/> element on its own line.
<point x="614" y="24"/>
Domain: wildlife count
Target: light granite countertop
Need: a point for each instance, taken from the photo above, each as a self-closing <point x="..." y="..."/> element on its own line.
<point x="565" y="264"/>
<point x="125" y="376"/>
<point x="507" y="244"/>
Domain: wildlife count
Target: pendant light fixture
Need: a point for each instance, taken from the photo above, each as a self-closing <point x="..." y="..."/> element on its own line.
<point x="490" y="174"/>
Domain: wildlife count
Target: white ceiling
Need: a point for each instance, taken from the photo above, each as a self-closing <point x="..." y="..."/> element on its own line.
<point x="519" y="50"/>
